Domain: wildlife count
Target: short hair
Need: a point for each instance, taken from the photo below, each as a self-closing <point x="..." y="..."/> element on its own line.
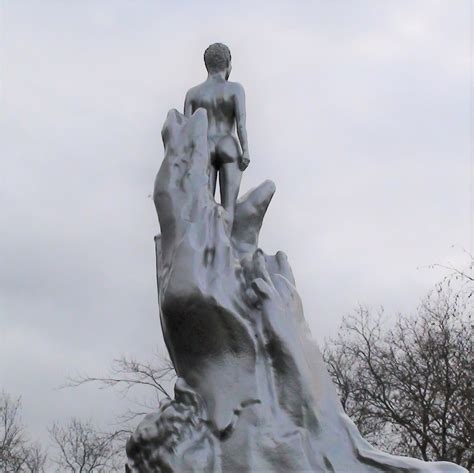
<point x="217" y="57"/>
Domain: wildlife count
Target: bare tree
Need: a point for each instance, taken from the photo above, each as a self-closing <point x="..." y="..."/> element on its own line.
<point x="35" y="460"/>
<point x="82" y="448"/>
<point x="463" y="275"/>
<point x="126" y="374"/>
<point x="407" y="387"/>
<point x="17" y="453"/>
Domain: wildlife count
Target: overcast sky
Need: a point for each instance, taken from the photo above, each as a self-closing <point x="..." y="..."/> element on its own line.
<point x="357" y="110"/>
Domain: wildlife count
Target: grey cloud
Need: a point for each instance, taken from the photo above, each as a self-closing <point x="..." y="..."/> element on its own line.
<point x="380" y="93"/>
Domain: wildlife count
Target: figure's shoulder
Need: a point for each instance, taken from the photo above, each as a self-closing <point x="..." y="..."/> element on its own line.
<point x="236" y="87"/>
<point x="194" y="91"/>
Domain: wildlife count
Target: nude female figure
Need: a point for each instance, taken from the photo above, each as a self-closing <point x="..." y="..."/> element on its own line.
<point x="224" y="102"/>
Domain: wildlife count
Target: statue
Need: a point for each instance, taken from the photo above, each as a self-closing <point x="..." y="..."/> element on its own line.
<point x="252" y="394"/>
<point x="224" y="102"/>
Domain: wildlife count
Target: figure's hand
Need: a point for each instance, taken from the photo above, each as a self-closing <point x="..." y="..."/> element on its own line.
<point x="244" y="162"/>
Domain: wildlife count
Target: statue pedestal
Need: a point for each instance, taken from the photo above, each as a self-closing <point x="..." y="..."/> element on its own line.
<point x="253" y="394"/>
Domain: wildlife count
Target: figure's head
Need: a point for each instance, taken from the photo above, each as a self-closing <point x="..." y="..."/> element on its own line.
<point x="217" y="58"/>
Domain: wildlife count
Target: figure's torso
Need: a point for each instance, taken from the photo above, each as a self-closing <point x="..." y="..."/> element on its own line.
<point x="218" y="99"/>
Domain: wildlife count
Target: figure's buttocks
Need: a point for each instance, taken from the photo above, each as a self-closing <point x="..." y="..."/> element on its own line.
<point x="218" y="99"/>
<point x="223" y="149"/>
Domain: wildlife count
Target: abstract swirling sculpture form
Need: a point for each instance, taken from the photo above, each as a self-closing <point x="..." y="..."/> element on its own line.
<point x="253" y="394"/>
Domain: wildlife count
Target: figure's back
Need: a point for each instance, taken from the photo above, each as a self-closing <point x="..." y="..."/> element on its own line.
<point x="217" y="97"/>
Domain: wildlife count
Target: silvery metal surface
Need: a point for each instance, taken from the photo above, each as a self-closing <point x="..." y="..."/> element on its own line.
<point x="253" y="394"/>
<point x="224" y="102"/>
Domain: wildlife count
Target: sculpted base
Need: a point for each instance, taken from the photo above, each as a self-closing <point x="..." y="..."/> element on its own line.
<point x="253" y="394"/>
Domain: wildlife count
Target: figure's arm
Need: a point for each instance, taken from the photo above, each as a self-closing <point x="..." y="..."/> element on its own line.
<point x="240" y="118"/>
<point x="188" y="108"/>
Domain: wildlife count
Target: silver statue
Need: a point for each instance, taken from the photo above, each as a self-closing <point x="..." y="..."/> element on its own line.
<point x="252" y="391"/>
<point x="224" y="102"/>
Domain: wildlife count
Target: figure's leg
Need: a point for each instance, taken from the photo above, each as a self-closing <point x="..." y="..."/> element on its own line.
<point x="212" y="179"/>
<point x="212" y="164"/>
<point x="230" y="175"/>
